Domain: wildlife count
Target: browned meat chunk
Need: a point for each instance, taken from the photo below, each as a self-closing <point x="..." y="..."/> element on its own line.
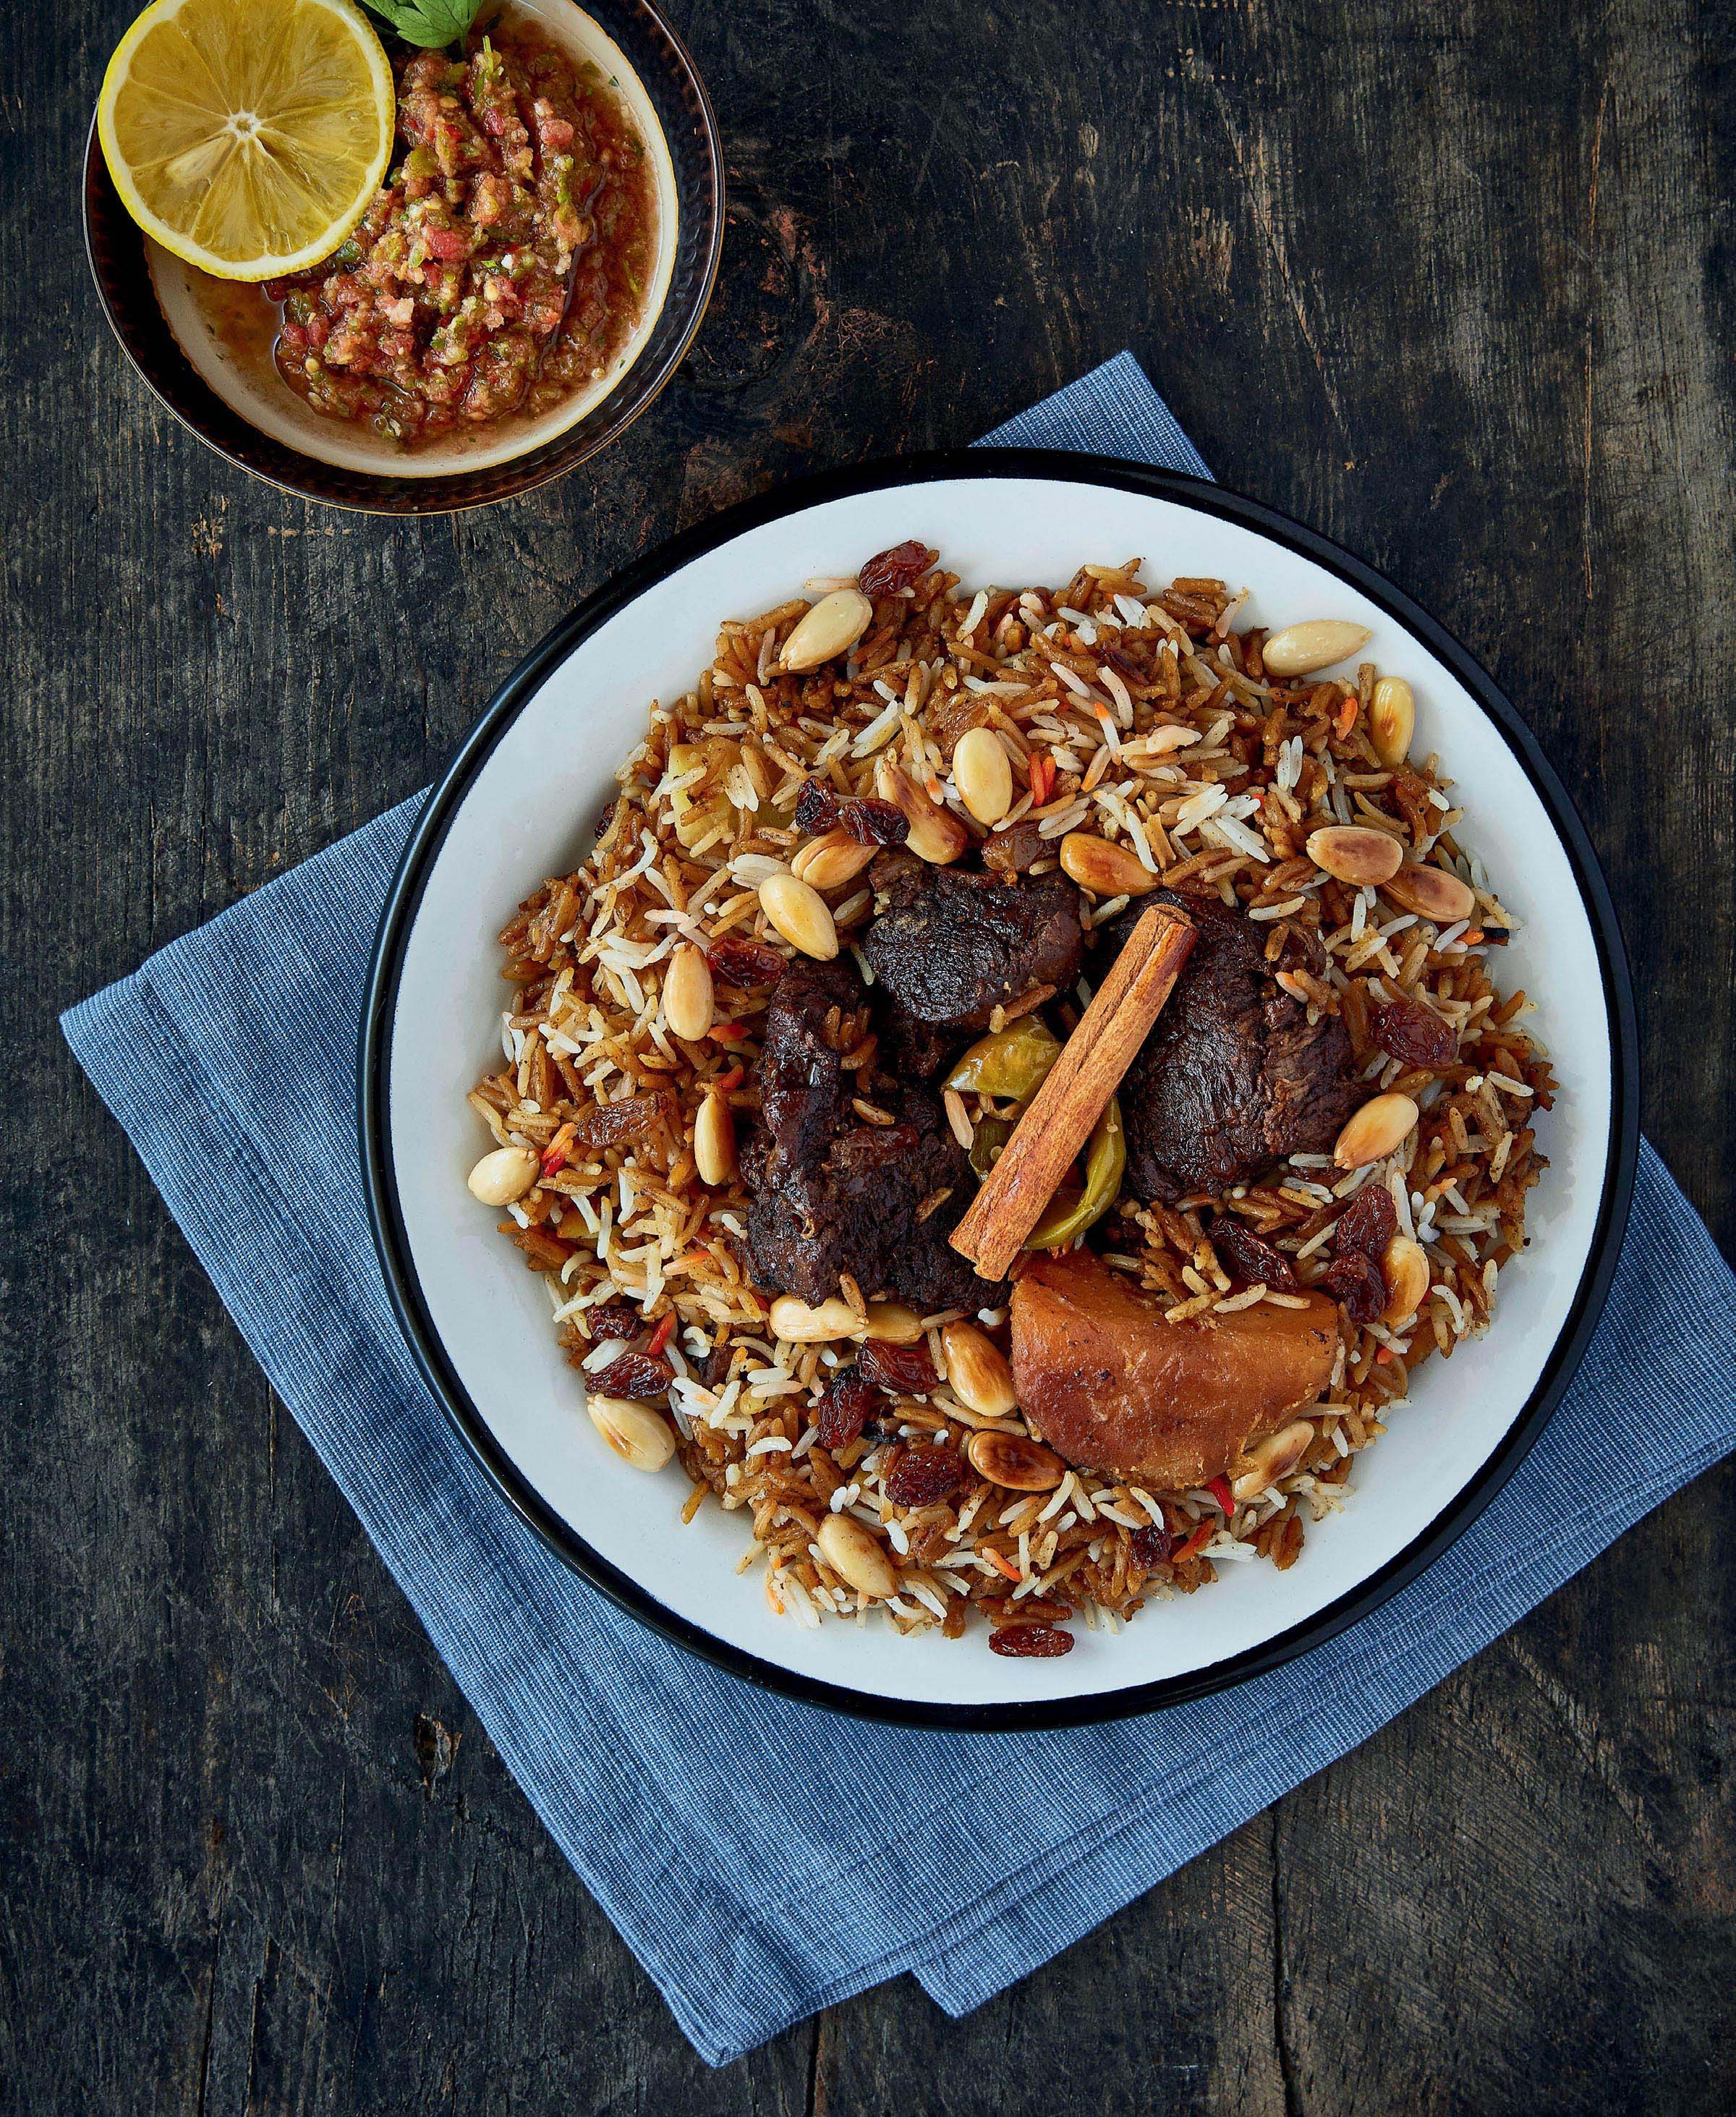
<point x="834" y="1194"/>
<point x="950" y="946"/>
<point x="1232" y="1077"/>
<point x="1115" y="1387"/>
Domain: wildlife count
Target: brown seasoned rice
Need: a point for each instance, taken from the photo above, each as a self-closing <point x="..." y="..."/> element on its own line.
<point x="1086" y="677"/>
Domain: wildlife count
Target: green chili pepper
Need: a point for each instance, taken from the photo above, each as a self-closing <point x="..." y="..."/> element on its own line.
<point x="1070" y="1213"/>
<point x="1012" y="1064"/>
<point x="991" y="1134"/>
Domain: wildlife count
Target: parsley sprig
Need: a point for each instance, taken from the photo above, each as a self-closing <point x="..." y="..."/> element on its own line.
<point x="431" y="24"/>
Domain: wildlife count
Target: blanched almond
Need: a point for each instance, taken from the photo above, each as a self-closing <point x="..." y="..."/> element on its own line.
<point x="1392" y="720"/>
<point x="801" y="915"/>
<point x="982" y="774"/>
<point x="1432" y="893"/>
<point x="834" y="624"/>
<point x="804" y="1324"/>
<point x="714" y="1141"/>
<point x="891" y="1322"/>
<point x="830" y="861"/>
<point x="1299" y="649"/>
<point x="936" y="836"/>
<point x="638" y="1435"/>
<point x="976" y="1370"/>
<point x="1405" y="1265"/>
<point x="1380" y="1128"/>
<point x="687" y="1005"/>
<point x="1353" y="853"/>
<point x="503" y="1176"/>
<point x="857" y="1556"/>
<point x="1009" y="1459"/>
<point x="1269" y="1459"/>
<point x="1105" y="868"/>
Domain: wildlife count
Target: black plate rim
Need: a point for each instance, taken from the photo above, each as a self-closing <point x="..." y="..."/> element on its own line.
<point x="208" y="418"/>
<point x="390" y="1235"/>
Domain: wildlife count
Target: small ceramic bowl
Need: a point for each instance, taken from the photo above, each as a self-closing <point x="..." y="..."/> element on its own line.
<point x="519" y="804"/>
<point x="254" y="420"/>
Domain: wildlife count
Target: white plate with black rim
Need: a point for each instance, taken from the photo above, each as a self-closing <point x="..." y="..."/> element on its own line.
<point x="519" y="804"/>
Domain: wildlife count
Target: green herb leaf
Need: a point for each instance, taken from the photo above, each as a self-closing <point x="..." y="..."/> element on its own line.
<point x="429" y="23"/>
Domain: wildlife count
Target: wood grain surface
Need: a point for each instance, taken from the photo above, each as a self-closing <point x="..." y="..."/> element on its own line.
<point x="1451" y="280"/>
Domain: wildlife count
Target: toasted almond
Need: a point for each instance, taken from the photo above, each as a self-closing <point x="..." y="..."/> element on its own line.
<point x="1269" y="1459"/>
<point x="714" y="1141"/>
<point x="638" y="1435"/>
<point x="1406" y="1266"/>
<point x="894" y="1323"/>
<point x="1298" y="650"/>
<point x="830" y="627"/>
<point x="1353" y="853"/>
<point x="687" y="1004"/>
<point x="977" y="1371"/>
<point x="1009" y="1459"/>
<point x="1103" y="868"/>
<point x="801" y="915"/>
<point x="857" y="1555"/>
<point x="1431" y="893"/>
<point x="982" y="774"/>
<point x="802" y="1323"/>
<point x="936" y="835"/>
<point x="1378" y="1129"/>
<point x="830" y="861"/>
<point x="1392" y="720"/>
<point x="504" y="1175"/>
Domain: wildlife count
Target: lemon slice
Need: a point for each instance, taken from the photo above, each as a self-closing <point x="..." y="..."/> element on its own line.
<point x="248" y="135"/>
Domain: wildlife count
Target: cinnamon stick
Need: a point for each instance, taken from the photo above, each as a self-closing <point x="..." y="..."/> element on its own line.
<point x="1049" y="1137"/>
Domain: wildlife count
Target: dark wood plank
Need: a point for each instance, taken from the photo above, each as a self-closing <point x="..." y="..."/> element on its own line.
<point x="1450" y="283"/>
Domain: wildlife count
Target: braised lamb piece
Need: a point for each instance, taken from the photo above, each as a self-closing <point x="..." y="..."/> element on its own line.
<point x="1232" y="1077"/>
<point x="950" y="946"/>
<point x="833" y="1193"/>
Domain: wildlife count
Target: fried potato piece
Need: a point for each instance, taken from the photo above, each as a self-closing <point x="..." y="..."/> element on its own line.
<point x="1114" y="1387"/>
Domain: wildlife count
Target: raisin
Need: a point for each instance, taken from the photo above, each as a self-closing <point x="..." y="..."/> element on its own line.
<point x="1013" y="851"/>
<point x="635" y="1119"/>
<point x="746" y="962"/>
<point x="1368" y="1224"/>
<point x="848" y="1402"/>
<point x="1040" y="1642"/>
<point x="905" y="1370"/>
<point x="606" y="817"/>
<point x="817" y="807"/>
<point x="1152" y="1545"/>
<point x="1250" y="1258"/>
<point x="1408" y="1030"/>
<point x="715" y="1372"/>
<point x="871" y="822"/>
<point x="921" y="1476"/>
<point x="634" y="1374"/>
<point x="1358" y="1282"/>
<point x="612" y="1319"/>
<point x="899" y="567"/>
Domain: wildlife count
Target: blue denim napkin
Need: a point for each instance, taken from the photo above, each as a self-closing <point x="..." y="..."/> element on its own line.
<point x="746" y="1848"/>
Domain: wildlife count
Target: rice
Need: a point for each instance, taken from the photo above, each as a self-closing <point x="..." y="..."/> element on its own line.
<point x="1166" y="736"/>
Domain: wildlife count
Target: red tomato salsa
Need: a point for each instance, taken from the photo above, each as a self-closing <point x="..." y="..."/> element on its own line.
<point x="504" y="263"/>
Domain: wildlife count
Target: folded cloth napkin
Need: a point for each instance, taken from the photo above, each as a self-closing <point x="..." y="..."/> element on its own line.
<point x="707" y="1819"/>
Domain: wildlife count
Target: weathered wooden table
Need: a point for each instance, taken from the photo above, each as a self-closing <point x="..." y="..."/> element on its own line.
<point x="1453" y="283"/>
